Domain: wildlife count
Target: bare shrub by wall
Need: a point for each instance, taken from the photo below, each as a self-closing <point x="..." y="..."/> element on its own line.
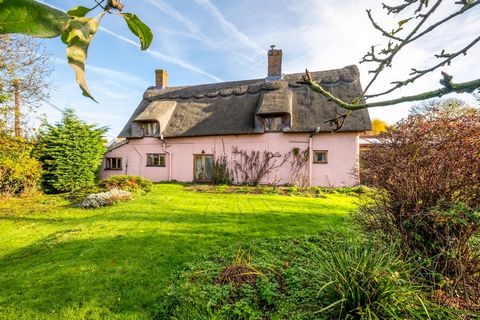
<point x="250" y="167"/>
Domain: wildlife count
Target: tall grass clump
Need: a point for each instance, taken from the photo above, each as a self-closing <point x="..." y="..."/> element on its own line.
<point x="321" y="277"/>
<point x="369" y="281"/>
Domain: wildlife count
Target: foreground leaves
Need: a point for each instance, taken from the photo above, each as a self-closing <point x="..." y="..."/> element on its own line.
<point x="140" y="29"/>
<point x="77" y="37"/>
<point x="35" y="19"/>
<point x="79" y="11"/>
<point x="31" y="18"/>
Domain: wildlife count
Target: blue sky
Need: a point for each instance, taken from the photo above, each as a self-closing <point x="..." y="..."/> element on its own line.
<point x="204" y="41"/>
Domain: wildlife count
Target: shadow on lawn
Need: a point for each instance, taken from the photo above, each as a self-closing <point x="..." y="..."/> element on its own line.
<point x="124" y="273"/>
<point x="116" y="260"/>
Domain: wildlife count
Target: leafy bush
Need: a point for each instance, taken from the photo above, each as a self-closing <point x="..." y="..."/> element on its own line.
<point x="298" y="279"/>
<point x="19" y="171"/>
<point x="427" y="169"/>
<point x="107" y="198"/>
<point x="133" y="184"/>
<point x="71" y="152"/>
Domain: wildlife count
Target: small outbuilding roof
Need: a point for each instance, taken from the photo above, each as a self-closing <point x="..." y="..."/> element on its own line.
<point x="230" y="108"/>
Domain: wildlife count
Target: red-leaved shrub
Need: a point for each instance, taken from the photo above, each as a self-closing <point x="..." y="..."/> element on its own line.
<point x="427" y="171"/>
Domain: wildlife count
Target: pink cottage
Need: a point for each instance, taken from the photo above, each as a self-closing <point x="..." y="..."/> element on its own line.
<point x="177" y="132"/>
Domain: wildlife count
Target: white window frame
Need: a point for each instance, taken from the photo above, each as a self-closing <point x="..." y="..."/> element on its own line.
<point x="109" y="161"/>
<point x="155" y="160"/>
<point x="315" y="152"/>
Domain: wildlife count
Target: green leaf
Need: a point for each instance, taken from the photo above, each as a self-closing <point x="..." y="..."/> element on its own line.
<point x="140" y="29"/>
<point x="31" y="18"/>
<point x="78" y="11"/>
<point x="78" y="36"/>
<point x="404" y="21"/>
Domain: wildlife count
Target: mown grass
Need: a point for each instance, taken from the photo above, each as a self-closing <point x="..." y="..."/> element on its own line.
<point x="60" y="262"/>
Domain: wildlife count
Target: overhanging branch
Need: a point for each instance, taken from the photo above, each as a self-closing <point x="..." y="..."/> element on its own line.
<point x="448" y="87"/>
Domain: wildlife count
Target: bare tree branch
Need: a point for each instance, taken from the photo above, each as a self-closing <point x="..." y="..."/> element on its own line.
<point x="383" y="58"/>
<point x="449" y="87"/>
<point x="392" y="52"/>
<point x="420" y="73"/>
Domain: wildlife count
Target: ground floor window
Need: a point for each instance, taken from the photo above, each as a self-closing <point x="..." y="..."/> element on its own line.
<point x="155" y="160"/>
<point x="113" y="163"/>
<point x="320" y="156"/>
<point x="203" y="167"/>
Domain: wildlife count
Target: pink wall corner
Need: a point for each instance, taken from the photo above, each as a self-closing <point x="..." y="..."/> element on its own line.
<point x="342" y="159"/>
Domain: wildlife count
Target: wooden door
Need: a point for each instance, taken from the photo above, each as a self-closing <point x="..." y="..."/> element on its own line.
<point x="202" y="167"/>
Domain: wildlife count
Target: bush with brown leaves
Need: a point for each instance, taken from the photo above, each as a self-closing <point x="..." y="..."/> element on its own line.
<point x="427" y="170"/>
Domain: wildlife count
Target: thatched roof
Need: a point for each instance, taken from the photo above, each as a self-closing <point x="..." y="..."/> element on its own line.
<point x="233" y="107"/>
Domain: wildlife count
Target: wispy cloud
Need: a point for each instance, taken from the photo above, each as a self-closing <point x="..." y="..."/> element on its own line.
<point x="114" y="74"/>
<point x="175" y="14"/>
<point x="229" y="28"/>
<point x="164" y="57"/>
<point x="154" y="53"/>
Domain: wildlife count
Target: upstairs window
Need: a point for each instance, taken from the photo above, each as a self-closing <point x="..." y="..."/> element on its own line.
<point x="113" y="163"/>
<point x="320" y="156"/>
<point x="150" y="129"/>
<point x="273" y="123"/>
<point x="155" y="160"/>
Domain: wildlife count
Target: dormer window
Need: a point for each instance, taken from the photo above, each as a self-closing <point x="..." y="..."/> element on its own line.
<point x="273" y="123"/>
<point x="150" y="129"/>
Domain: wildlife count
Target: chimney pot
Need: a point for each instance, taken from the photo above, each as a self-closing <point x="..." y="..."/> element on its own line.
<point x="161" y="78"/>
<point x="274" y="63"/>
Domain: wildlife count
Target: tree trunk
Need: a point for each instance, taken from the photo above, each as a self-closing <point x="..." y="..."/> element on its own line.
<point x="17" y="107"/>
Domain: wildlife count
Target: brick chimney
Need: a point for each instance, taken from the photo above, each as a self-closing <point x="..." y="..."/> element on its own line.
<point x="274" y="63"/>
<point x="161" y="78"/>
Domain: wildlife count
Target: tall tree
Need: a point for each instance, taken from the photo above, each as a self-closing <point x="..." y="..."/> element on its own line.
<point x="71" y="153"/>
<point x="25" y="68"/>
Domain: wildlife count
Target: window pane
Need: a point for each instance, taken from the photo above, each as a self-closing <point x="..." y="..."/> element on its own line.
<point x="156" y="159"/>
<point x="320" y="156"/>
<point x="278" y="123"/>
<point x="273" y="123"/>
<point x="113" y="163"/>
<point x="198" y="168"/>
<point x="150" y="129"/>
<point x="268" y="124"/>
<point x="208" y="167"/>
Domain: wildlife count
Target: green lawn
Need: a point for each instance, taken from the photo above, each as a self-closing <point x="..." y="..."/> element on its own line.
<point x="59" y="262"/>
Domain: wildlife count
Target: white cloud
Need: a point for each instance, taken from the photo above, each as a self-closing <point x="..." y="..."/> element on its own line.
<point x="191" y="26"/>
<point x="329" y="34"/>
<point x="229" y="28"/>
<point x="164" y="57"/>
<point x="114" y="74"/>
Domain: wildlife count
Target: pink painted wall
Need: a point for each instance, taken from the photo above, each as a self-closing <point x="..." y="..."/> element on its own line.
<point x="342" y="150"/>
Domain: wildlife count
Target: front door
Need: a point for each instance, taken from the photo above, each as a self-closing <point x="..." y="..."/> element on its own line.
<point x="203" y="167"/>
